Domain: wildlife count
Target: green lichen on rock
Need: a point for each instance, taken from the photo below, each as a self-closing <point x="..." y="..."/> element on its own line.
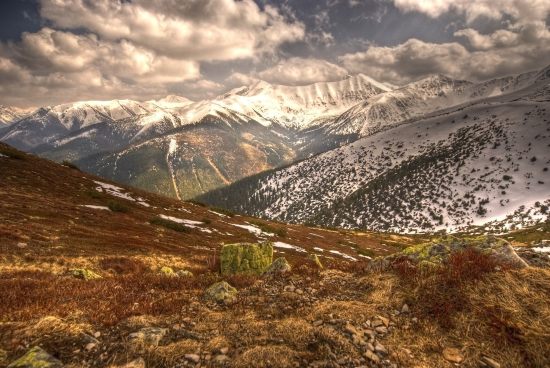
<point x="245" y="258"/>
<point x="167" y="271"/>
<point x="438" y="250"/>
<point x="278" y="267"/>
<point x="84" y="274"/>
<point x="221" y="292"/>
<point x="36" y="358"/>
<point x="317" y="261"/>
<point x="184" y="273"/>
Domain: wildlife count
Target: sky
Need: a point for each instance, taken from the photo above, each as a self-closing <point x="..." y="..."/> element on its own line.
<point x="60" y="51"/>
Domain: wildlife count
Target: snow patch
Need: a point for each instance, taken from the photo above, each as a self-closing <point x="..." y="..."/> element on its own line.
<point x="282" y="245"/>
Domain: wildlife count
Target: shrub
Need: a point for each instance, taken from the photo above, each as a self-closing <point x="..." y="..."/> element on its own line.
<point x="439" y="291"/>
<point x="70" y="165"/>
<point x="223" y="211"/>
<point x="267" y="228"/>
<point x="118" y="207"/>
<point x="172" y="225"/>
<point x="11" y="152"/>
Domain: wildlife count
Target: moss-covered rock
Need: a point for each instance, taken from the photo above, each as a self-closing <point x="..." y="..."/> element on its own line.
<point x="278" y="267"/>
<point x="148" y="336"/>
<point x="221" y="292"/>
<point x="84" y="274"/>
<point x="36" y="358"/>
<point x="184" y="273"/>
<point x="438" y="250"/>
<point x="247" y="258"/>
<point x="167" y="272"/>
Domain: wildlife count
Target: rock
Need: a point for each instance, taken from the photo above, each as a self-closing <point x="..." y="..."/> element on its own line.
<point x="278" y="267"/>
<point x="36" y="358"/>
<point x="372" y="356"/>
<point x="149" y="335"/>
<point x="507" y="255"/>
<point x="405" y="308"/>
<point x="248" y="258"/>
<point x="317" y="261"/>
<point x="379" y="348"/>
<point x="349" y="328"/>
<point x="195" y="358"/>
<point x="167" y="272"/>
<point x="384" y="320"/>
<point x="490" y="362"/>
<point x="381" y="330"/>
<point x="289" y="288"/>
<point x="84" y="274"/>
<point x="184" y="273"/>
<point x="221" y="292"/>
<point x="136" y="363"/>
<point x="224" y="351"/>
<point x="90" y="346"/>
<point x="317" y="323"/>
<point x="97" y="334"/>
<point x="453" y="355"/>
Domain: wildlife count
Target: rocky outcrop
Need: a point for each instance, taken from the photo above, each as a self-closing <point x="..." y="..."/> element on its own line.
<point x="36" y="358"/>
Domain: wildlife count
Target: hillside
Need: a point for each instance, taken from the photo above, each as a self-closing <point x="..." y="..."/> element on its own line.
<point x="481" y="162"/>
<point x="133" y="310"/>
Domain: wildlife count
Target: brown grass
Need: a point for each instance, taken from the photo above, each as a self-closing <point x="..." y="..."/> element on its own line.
<point x="123" y="265"/>
<point x="440" y="291"/>
<point x="107" y="301"/>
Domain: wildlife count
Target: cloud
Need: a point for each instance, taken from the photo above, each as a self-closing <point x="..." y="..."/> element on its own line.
<point x="238" y="79"/>
<point x="192" y="29"/>
<point x="139" y="49"/>
<point x="199" y="89"/>
<point x="299" y="71"/>
<point x="519" y="49"/>
<point x="525" y="10"/>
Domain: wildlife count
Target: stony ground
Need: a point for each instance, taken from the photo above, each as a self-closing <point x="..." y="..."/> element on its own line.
<point x="470" y="312"/>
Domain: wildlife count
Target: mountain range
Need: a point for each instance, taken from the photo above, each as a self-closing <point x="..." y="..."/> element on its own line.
<point x="348" y="153"/>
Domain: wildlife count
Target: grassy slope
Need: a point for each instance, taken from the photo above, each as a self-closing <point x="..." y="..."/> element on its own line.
<point x="44" y="232"/>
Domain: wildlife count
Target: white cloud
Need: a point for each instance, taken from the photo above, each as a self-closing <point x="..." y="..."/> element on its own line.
<point x="300" y="71"/>
<point x="138" y="49"/>
<point x="191" y="29"/>
<point x="237" y="79"/>
<point x="525" y="10"/>
<point x="519" y="49"/>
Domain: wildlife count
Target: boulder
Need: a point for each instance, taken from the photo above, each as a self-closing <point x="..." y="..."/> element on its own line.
<point x="247" y="258"/>
<point x="84" y="274"/>
<point x="436" y="251"/>
<point x="36" y="358"/>
<point x="148" y="335"/>
<point x="279" y="266"/>
<point x="221" y="292"/>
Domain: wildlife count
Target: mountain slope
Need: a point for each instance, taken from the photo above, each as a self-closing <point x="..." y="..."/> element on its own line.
<point x="466" y="165"/>
<point x="9" y="115"/>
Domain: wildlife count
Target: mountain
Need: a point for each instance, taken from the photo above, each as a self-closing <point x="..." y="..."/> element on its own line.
<point x="217" y="141"/>
<point x="241" y="133"/>
<point x="9" y="115"/>
<point x="482" y="161"/>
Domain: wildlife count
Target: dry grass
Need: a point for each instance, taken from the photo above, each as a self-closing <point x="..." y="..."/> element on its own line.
<point x="268" y="356"/>
<point x="107" y="301"/>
